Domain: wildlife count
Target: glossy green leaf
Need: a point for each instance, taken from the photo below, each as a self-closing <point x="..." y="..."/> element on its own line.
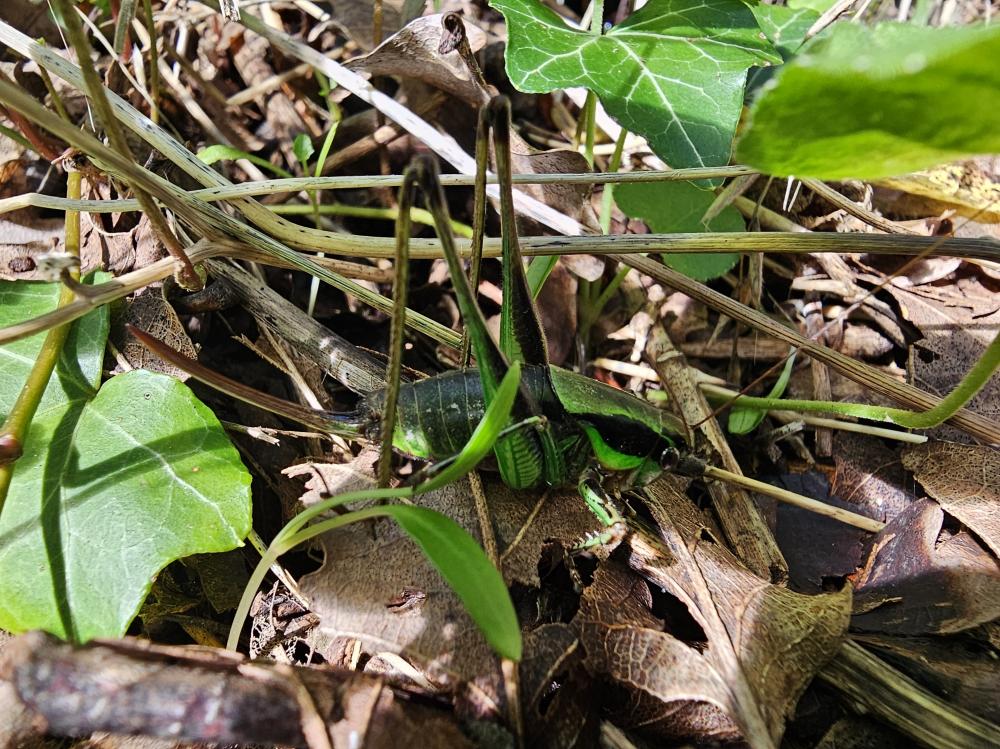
<point x="673" y="71"/>
<point x="744" y="419"/>
<point x="860" y="102"/>
<point x="784" y="26"/>
<point x="113" y="484"/>
<point x="677" y="208"/>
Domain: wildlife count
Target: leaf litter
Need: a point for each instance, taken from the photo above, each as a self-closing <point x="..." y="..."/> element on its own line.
<point x="670" y="637"/>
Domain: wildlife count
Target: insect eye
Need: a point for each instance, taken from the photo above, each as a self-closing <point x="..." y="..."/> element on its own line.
<point x="669" y="458"/>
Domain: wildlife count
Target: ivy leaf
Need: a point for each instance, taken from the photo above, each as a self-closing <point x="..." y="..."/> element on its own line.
<point x="678" y="208"/>
<point x="113" y="484"/>
<point x="786" y="27"/>
<point x="673" y="71"/>
<point x="868" y="103"/>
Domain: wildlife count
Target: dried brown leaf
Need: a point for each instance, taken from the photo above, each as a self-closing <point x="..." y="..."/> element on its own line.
<point x="919" y="581"/>
<point x="558" y="697"/>
<point x="958" y="322"/>
<point x="557" y="310"/>
<point x="869" y="475"/>
<point x="413" y="52"/>
<point x="965" y="480"/>
<point x="762" y="644"/>
<point x="356" y="17"/>
<point x="970" y="188"/>
<point x="149" y="311"/>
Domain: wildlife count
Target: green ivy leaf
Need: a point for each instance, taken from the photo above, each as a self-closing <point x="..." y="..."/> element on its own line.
<point x="673" y="71"/>
<point x="786" y="27"/>
<point x="113" y="484"/>
<point x="678" y="208"/>
<point x="868" y="103"/>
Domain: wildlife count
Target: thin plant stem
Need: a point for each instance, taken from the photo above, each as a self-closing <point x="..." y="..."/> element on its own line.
<point x="324" y="151"/>
<point x="57" y="101"/>
<point x="590" y="117"/>
<point x="154" y="62"/>
<point x="607" y="197"/>
<point x="590" y="105"/>
<point x="15" y="429"/>
<point x="798" y="500"/>
<point x="974" y="381"/>
<point x="187" y="275"/>
<point x="478" y="217"/>
<point x="417" y="215"/>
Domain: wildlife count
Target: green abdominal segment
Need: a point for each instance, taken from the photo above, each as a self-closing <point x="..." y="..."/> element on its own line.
<point x="436" y="417"/>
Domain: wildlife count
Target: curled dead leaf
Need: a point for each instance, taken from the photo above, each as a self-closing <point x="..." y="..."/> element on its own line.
<point x="919" y="580"/>
<point x="414" y="52"/>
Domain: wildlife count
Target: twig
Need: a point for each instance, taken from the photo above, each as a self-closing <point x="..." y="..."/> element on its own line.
<point x="902" y="703"/>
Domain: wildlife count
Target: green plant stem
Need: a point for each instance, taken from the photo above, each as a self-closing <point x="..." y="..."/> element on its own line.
<point x="23" y="411"/>
<point x="400" y="287"/>
<point x="974" y="381"/>
<point x="57" y="101"/>
<point x="125" y="12"/>
<point x="590" y="105"/>
<point x="417" y="215"/>
<point x="590" y="117"/>
<point x="20" y="140"/>
<point x="778" y="242"/>
<point x="607" y="197"/>
<point x="324" y="151"/>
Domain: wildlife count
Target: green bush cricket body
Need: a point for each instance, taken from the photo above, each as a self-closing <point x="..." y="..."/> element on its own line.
<point x="565" y="423"/>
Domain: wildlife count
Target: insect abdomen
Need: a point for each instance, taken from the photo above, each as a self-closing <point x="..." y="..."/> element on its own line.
<point x="435" y="417"/>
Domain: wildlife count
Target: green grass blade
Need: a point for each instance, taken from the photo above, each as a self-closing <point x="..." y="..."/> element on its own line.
<point x="450" y="548"/>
